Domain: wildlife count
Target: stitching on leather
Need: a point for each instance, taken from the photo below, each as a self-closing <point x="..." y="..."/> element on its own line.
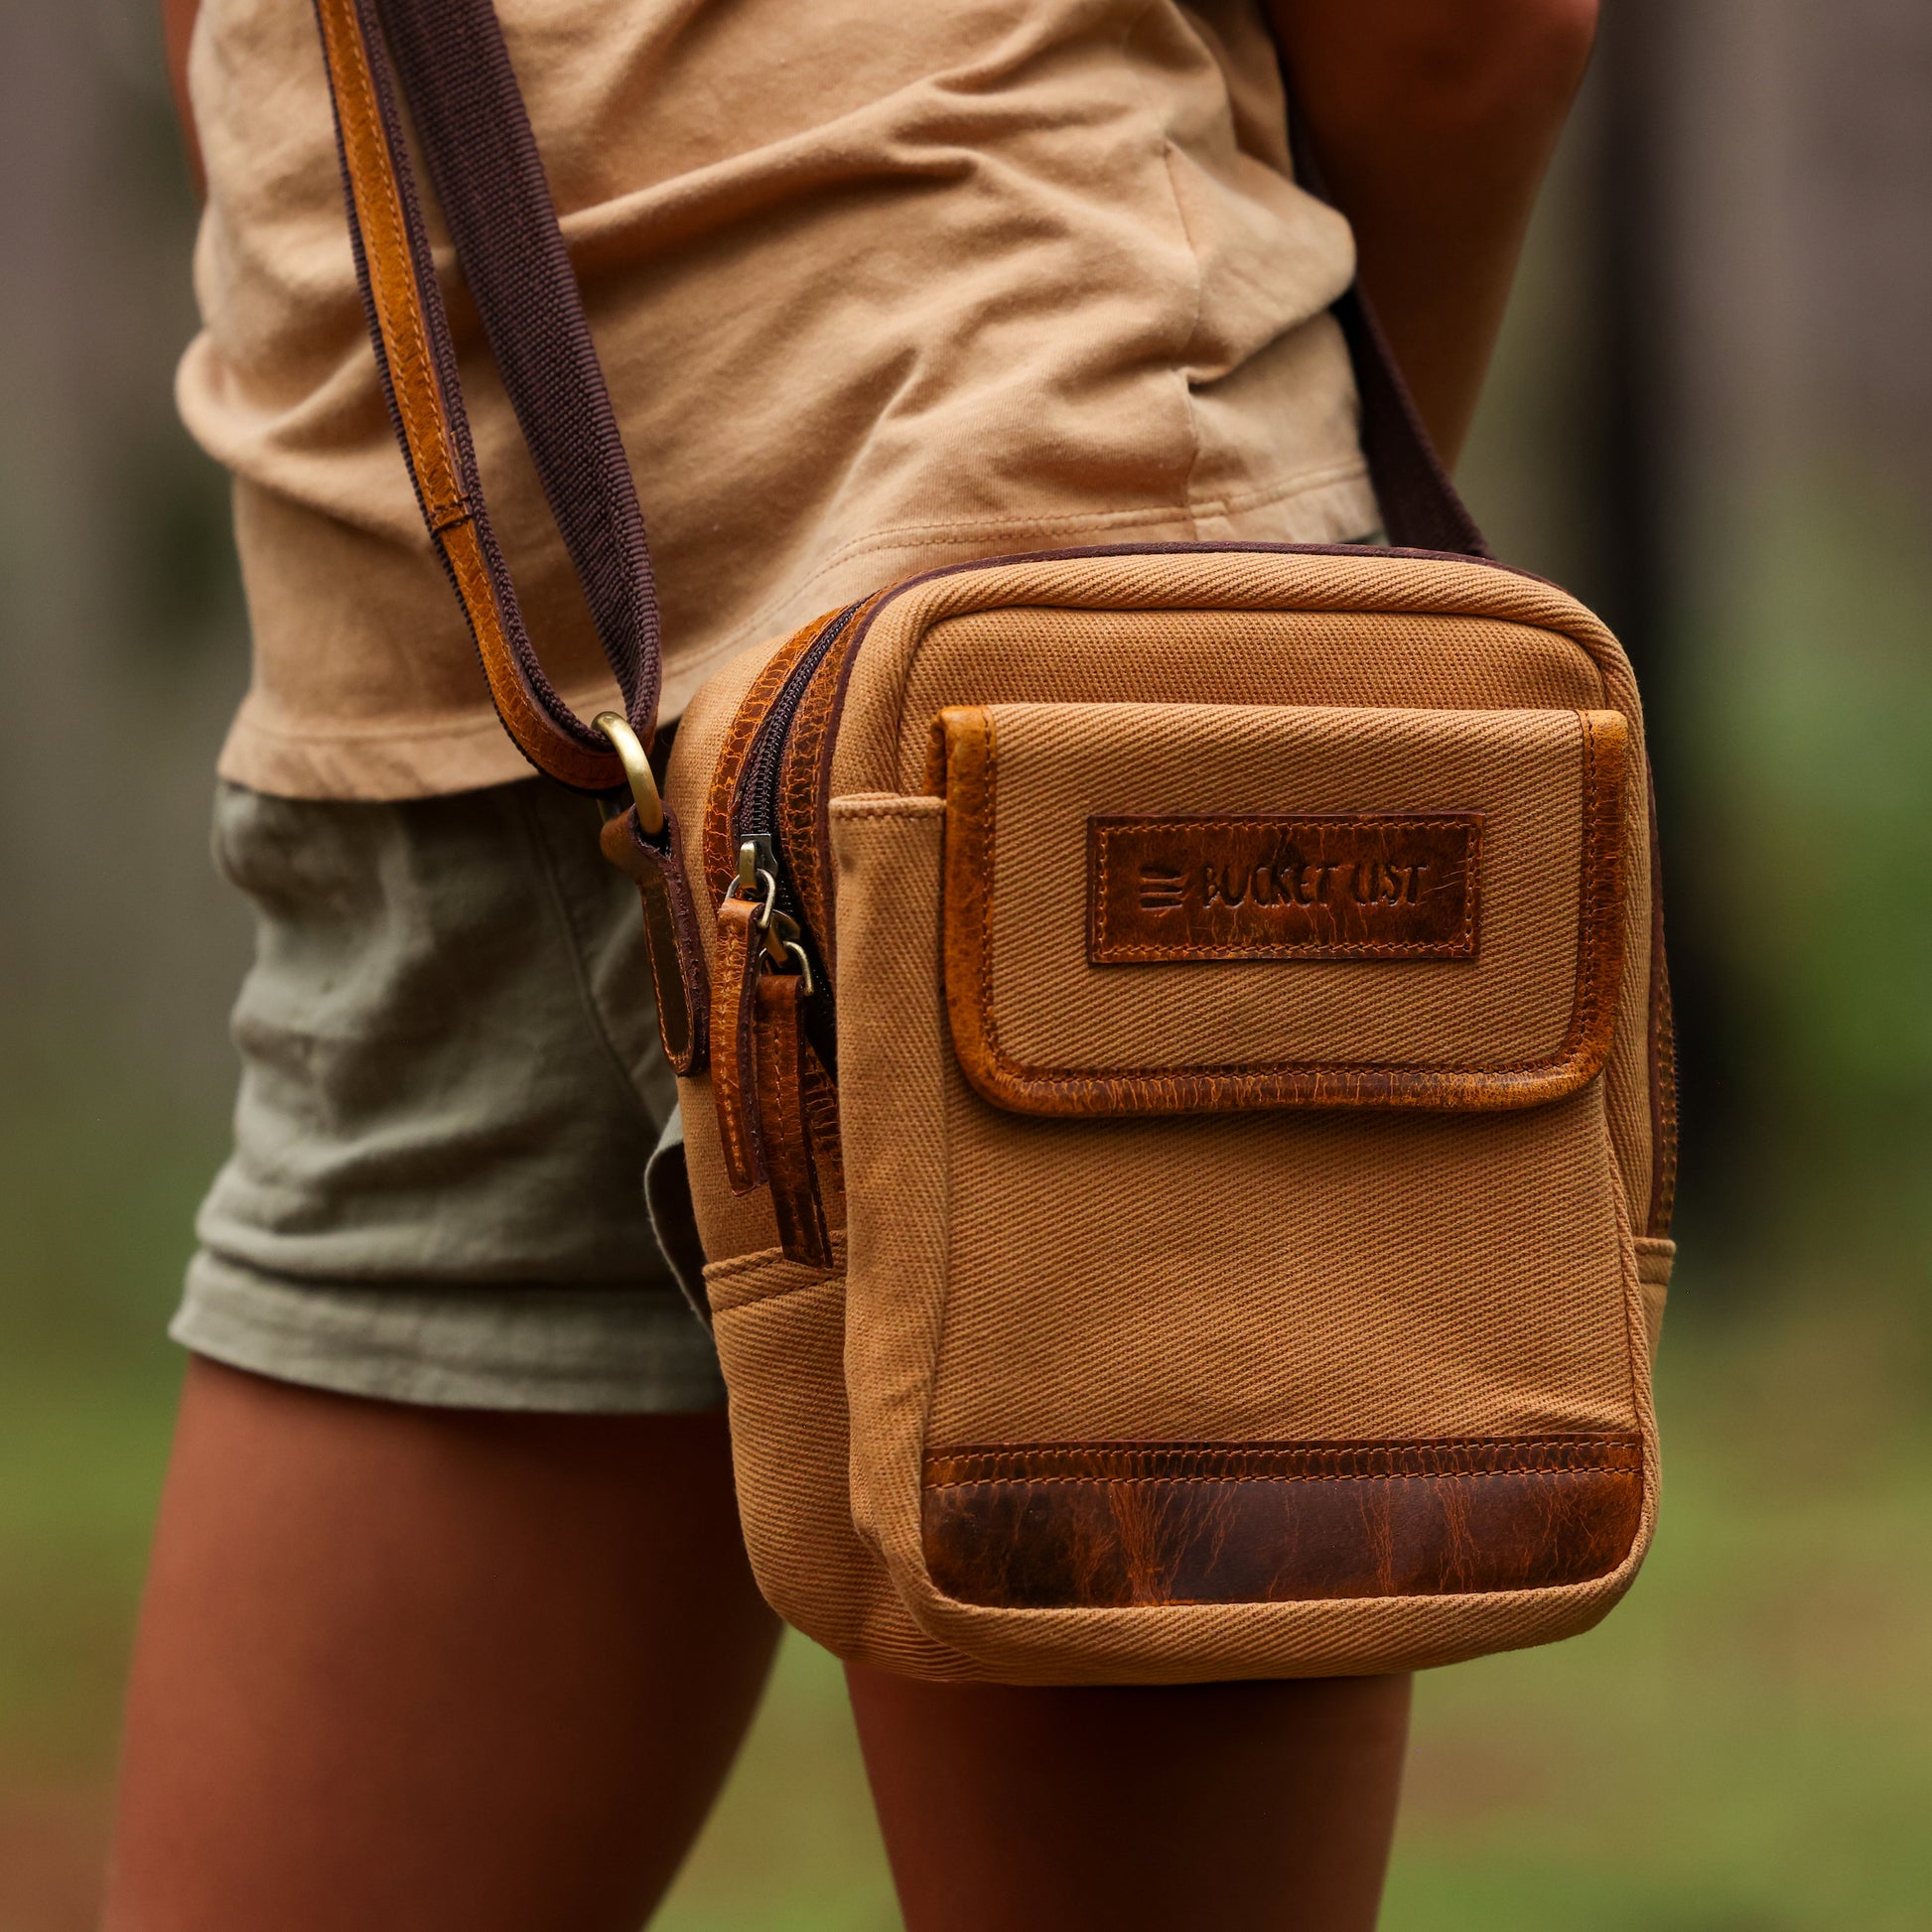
<point x="396" y="291"/>
<point x="527" y="725"/>
<point x="460" y="546"/>
<point x="983" y="897"/>
<point x="657" y="989"/>
<point x="726" y="1062"/>
<point x="1516" y="1452"/>
<point x="1581" y="1453"/>
<point x="1567" y="1473"/>
<point x="1340" y="949"/>
<point x="402" y="332"/>
<point x="787" y="1150"/>
<point x="720" y="862"/>
<point x="798" y="796"/>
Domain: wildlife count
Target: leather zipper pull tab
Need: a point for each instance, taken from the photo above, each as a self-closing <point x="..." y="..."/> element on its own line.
<point x="784" y="1131"/>
<point x="734" y="982"/>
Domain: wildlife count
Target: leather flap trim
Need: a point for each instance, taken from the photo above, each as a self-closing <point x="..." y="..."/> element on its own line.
<point x="1366" y="894"/>
<point x="1120" y="1525"/>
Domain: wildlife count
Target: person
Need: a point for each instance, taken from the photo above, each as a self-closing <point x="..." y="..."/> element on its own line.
<point x="448" y="1621"/>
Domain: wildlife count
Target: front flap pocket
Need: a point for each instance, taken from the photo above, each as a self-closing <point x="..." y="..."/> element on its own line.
<point x="1184" y="908"/>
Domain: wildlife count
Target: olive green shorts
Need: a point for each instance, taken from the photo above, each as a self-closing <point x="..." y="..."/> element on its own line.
<point x="451" y="1088"/>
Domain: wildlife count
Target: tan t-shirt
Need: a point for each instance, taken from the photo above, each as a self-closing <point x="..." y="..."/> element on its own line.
<point x="876" y="288"/>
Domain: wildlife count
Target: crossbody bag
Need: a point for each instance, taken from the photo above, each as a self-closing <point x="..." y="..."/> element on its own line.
<point x="1172" y="1039"/>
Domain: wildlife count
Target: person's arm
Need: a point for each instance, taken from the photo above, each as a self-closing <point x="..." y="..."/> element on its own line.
<point x="176" y="30"/>
<point x="1433" y="121"/>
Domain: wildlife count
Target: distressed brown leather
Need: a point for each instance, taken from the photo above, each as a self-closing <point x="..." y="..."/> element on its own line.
<point x="1280" y="887"/>
<point x="721" y="796"/>
<point x="962" y="766"/>
<point x="1066" y="1526"/>
<point x="784" y="1131"/>
<point x="735" y="971"/>
<point x="671" y="942"/>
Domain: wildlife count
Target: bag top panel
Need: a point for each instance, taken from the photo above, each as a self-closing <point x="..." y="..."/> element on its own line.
<point x="1163" y="623"/>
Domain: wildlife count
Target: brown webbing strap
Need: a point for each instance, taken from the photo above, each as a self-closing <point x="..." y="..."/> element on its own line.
<point x="558" y="386"/>
<point x="483" y="161"/>
<point x="1422" y="509"/>
<point x="483" y="157"/>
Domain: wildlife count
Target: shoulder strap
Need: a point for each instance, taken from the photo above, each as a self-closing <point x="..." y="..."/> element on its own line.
<point x="482" y="158"/>
<point x="1422" y="508"/>
<point x="470" y="118"/>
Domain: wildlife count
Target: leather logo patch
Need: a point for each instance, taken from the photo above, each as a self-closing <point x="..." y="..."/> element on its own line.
<point x="1317" y="887"/>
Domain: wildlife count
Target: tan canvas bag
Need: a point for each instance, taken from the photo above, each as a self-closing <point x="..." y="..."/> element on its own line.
<point x="1172" y="1039"/>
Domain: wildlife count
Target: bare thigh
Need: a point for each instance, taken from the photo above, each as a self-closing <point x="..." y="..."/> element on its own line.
<point x="425" y="1668"/>
<point x="1218" y="1808"/>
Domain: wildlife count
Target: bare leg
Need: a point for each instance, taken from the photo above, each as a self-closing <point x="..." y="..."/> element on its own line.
<point x="428" y="1669"/>
<point x="1220" y="1808"/>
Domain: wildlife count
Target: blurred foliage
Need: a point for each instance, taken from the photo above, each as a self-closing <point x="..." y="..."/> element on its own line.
<point x="1814" y="700"/>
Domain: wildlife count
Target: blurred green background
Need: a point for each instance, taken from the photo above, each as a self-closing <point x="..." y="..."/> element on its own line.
<point x="1713" y="417"/>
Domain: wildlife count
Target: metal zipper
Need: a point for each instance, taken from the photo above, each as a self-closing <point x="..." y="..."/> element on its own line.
<point x="754" y="820"/>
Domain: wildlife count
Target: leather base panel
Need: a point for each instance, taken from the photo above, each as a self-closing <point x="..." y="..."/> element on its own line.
<point x="1109" y="1525"/>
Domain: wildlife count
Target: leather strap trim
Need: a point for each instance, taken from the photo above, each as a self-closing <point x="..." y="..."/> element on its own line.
<point x="677" y="970"/>
<point x="822" y="1100"/>
<point x="735" y="972"/>
<point x="409" y="332"/>
<point x="388" y="271"/>
<point x="785" y="1133"/>
<point x="804" y="832"/>
<point x="718" y="848"/>
<point x="483" y="160"/>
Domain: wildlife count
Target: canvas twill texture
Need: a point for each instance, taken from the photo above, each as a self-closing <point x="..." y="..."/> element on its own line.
<point x="1173" y="1040"/>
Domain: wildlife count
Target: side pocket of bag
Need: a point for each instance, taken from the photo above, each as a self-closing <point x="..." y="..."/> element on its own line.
<point x="781" y="1330"/>
<point x="895" y="1073"/>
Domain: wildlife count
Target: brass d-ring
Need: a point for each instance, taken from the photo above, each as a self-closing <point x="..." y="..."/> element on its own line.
<point x="636" y="768"/>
